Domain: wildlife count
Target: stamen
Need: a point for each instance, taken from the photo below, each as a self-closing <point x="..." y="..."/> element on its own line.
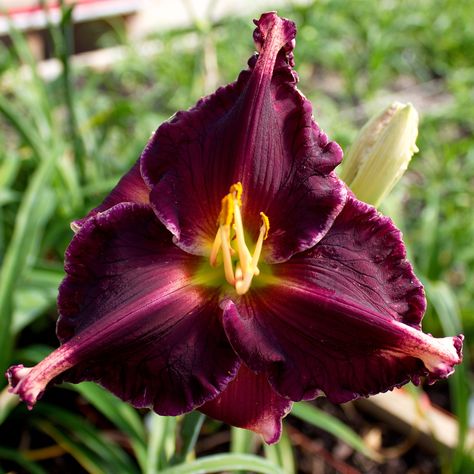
<point x="215" y="249"/>
<point x="243" y="286"/>
<point x="227" y="210"/>
<point x="261" y="237"/>
<point x="226" y="256"/>
<point x="266" y="223"/>
<point x="225" y="219"/>
<point x="246" y="266"/>
<point x="238" y="272"/>
<point x="244" y="253"/>
<point x="236" y="190"/>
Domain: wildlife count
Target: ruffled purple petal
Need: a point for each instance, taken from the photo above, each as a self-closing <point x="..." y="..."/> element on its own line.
<point x="132" y="320"/>
<point x="259" y="131"/>
<point x="250" y="402"/>
<point x="130" y="188"/>
<point x="345" y="318"/>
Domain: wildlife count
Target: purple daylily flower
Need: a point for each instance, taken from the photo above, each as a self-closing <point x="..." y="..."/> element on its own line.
<point x="231" y="271"/>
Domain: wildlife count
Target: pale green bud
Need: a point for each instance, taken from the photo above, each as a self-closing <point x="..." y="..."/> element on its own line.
<point x="381" y="153"/>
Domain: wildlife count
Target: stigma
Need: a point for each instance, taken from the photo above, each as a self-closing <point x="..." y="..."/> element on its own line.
<point x="240" y="265"/>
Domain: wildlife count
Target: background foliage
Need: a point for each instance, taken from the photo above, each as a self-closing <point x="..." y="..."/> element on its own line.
<point x="65" y="142"/>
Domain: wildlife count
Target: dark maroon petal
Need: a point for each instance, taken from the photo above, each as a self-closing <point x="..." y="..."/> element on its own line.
<point x="259" y="131"/>
<point x="345" y="318"/>
<point x="250" y="402"/>
<point x="304" y="215"/>
<point x="132" y="320"/>
<point x="130" y="188"/>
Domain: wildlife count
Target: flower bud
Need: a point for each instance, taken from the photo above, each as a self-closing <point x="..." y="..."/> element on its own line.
<point x="381" y="153"/>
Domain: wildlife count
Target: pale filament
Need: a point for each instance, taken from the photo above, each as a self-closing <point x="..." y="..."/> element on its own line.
<point x="244" y="253"/>
<point x="243" y="285"/>
<point x="246" y="267"/>
<point x="226" y="254"/>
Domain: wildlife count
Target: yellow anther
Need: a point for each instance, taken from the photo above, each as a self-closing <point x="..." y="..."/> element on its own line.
<point x="266" y="223"/>
<point x="226" y="215"/>
<point x="245" y="263"/>
<point x="236" y="190"/>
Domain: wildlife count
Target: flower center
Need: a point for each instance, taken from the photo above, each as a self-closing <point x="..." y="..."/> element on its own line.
<point x="230" y="233"/>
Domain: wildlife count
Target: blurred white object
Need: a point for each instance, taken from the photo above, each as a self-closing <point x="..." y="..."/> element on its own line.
<point x="150" y="15"/>
<point x="159" y="15"/>
<point x="28" y="15"/>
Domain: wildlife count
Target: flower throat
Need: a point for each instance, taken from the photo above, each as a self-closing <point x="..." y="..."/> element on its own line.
<point x="230" y="219"/>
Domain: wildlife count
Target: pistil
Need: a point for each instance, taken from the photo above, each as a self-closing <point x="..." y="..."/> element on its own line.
<point x="246" y="266"/>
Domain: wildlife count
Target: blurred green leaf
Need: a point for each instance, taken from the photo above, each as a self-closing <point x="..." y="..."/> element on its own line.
<point x="225" y="462"/>
<point x="30" y="303"/>
<point x="281" y="454"/>
<point x="33" y="354"/>
<point x="8" y="402"/>
<point x="241" y="441"/>
<point x="39" y="104"/>
<point x="89" y="460"/>
<point x="444" y="301"/>
<point x="189" y="430"/>
<point x="336" y="427"/>
<point x="12" y="455"/>
<point x="24" y="129"/>
<point x="28" y="220"/>
<point x="119" y="413"/>
<point x="87" y="444"/>
<point x="8" y="172"/>
<point x="161" y="441"/>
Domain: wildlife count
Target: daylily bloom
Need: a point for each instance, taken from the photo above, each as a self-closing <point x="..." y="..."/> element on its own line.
<point x="231" y="271"/>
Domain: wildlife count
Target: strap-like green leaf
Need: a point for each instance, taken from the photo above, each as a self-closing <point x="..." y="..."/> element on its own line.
<point x="82" y="437"/>
<point x="119" y="413"/>
<point x="226" y="462"/>
<point x="326" y="422"/>
<point x="19" y="459"/>
<point x="28" y="220"/>
<point x="281" y="454"/>
<point x="161" y="441"/>
<point x="189" y="431"/>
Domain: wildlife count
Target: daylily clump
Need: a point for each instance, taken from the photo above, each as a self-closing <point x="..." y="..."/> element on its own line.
<point x="232" y="272"/>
